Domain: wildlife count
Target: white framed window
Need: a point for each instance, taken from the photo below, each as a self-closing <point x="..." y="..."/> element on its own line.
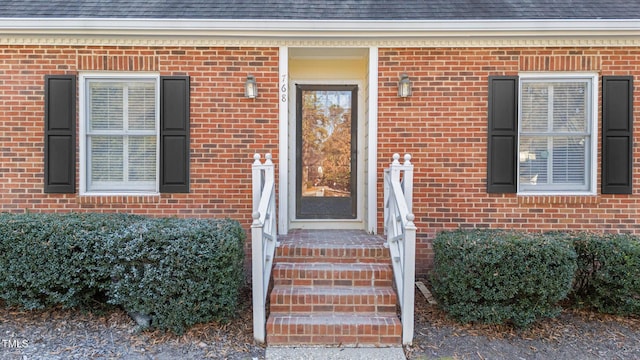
<point x="119" y="128"/>
<point x="557" y="133"/>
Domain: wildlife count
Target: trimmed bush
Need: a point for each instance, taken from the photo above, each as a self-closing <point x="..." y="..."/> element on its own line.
<point x="608" y="276"/>
<point x="498" y="276"/>
<point x="50" y="259"/>
<point x="178" y="271"/>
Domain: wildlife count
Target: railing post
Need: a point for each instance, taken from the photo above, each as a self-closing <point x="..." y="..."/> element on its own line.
<point x="256" y="176"/>
<point x="408" y="181"/>
<point x="263" y="239"/>
<point x="401" y="237"/>
<point x="385" y="206"/>
<point x="408" y="307"/>
<point x="395" y="168"/>
<point x="259" y="314"/>
<point x="269" y="173"/>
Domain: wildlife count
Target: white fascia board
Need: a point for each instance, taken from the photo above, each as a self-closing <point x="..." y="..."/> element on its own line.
<point x="320" y="28"/>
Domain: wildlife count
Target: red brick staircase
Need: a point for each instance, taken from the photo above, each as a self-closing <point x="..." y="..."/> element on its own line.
<point x="333" y="287"/>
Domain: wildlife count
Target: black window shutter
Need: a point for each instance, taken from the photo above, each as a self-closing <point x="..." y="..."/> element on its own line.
<point x="503" y="134"/>
<point x="60" y="134"/>
<point x="174" y="134"/>
<point x="617" y="134"/>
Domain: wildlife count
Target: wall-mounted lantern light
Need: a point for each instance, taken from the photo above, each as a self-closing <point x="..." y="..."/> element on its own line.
<point x="404" y="86"/>
<point x="250" y="87"/>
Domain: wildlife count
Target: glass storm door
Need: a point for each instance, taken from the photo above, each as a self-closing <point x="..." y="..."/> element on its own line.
<point x="326" y="123"/>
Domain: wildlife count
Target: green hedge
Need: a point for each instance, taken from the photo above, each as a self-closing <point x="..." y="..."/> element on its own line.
<point x="608" y="277"/>
<point x="497" y="276"/>
<point x="178" y="271"/>
<point x="51" y="259"/>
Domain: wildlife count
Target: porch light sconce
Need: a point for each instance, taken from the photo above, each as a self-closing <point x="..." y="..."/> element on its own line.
<point x="404" y="86"/>
<point x="250" y="87"/>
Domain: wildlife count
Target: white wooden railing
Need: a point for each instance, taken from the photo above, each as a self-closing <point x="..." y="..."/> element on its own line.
<point x="263" y="239"/>
<point x="401" y="236"/>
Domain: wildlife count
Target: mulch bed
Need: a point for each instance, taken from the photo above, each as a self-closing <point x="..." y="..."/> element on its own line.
<point x="575" y="334"/>
<point x="69" y="334"/>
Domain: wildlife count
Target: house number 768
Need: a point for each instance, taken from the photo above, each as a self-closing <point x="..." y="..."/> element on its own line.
<point x="283" y="89"/>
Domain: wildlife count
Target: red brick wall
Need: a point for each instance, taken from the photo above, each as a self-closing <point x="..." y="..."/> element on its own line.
<point x="226" y="128"/>
<point x="444" y="127"/>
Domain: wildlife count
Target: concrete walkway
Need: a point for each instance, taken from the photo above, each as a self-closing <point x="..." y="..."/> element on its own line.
<point x="333" y="353"/>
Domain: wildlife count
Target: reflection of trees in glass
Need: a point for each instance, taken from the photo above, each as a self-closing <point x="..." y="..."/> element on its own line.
<point x="326" y="132"/>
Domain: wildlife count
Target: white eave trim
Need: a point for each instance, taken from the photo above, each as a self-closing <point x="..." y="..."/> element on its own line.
<point x="323" y="33"/>
<point x="319" y="28"/>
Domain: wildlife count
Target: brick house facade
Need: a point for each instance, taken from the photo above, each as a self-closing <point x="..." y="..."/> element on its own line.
<point x="444" y="124"/>
<point x="445" y="129"/>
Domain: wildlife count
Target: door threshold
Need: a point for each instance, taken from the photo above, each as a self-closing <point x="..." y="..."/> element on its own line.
<point x="322" y="224"/>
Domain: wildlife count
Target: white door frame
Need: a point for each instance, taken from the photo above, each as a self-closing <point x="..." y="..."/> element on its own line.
<point x="370" y="212"/>
<point x="283" y="162"/>
<point x="371" y="222"/>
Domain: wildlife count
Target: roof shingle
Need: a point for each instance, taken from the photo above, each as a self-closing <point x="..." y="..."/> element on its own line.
<point x="324" y="9"/>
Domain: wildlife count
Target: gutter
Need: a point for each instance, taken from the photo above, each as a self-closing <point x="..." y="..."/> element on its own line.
<point x="309" y="29"/>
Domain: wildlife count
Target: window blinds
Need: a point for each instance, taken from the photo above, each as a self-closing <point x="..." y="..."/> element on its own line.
<point x="121" y="135"/>
<point x="554" y="134"/>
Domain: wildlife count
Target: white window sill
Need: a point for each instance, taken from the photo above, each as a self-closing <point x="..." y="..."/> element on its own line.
<point x="557" y="193"/>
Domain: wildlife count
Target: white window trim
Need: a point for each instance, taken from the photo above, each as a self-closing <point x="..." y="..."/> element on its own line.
<point x="84" y="76"/>
<point x="593" y="154"/>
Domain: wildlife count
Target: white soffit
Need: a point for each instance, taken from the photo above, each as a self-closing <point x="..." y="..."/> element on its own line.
<point x="620" y="32"/>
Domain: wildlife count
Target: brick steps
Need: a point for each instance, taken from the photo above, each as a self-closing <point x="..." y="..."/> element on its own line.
<point x="334" y="329"/>
<point x="320" y="299"/>
<point x="327" y="274"/>
<point x="333" y="288"/>
<point x="328" y="252"/>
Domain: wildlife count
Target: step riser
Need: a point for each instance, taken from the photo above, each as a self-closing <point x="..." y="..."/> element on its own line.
<point x="293" y="308"/>
<point x="294" y="254"/>
<point x="285" y="301"/>
<point x="333" y="282"/>
<point x="300" y="309"/>
<point x="334" y="340"/>
<point x="308" y="275"/>
<point x="284" y="330"/>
